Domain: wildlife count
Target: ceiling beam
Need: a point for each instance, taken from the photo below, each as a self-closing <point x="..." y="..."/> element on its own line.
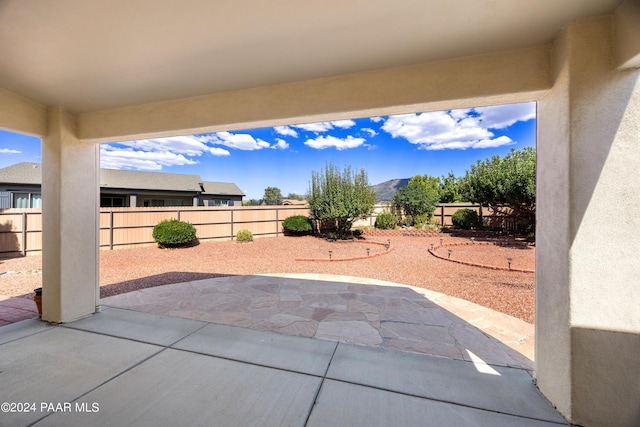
<point x="18" y="114"/>
<point x="505" y="77"/>
<point x="627" y="35"/>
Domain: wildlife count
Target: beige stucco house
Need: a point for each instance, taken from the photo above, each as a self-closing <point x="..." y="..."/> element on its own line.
<point x="79" y="74"/>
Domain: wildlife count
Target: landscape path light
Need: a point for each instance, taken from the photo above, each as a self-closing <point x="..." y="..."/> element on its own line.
<point x="509" y="262"/>
<point x="449" y="256"/>
<point x="330" y="254"/>
<point x="367" y="251"/>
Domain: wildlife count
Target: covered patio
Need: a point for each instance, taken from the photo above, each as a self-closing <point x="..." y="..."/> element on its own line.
<point x="122" y="367"/>
<point x="80" y="73"/>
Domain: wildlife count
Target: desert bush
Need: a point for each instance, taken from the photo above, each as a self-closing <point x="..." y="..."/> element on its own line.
<point x="340" y="197"/>
<point x="244" y="236"/>
<point x="297" y="225"/>
<point x="420" y="220"/>
<point x="434" y="224"/>
<point x="417" y="198"/>
<point x="465" y="219"/>
<point x="386" y="221"/>
<point x="173" y="233"/>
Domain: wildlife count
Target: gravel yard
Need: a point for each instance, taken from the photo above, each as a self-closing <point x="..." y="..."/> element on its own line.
<point x="407" y="262"/>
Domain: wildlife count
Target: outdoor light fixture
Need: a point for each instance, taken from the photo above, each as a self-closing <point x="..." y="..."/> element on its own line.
<point x="386" y="245"/>
<point x="472" y="239"/>
<point x="449" y="256"/>
<point x="367" y="251"/>
<point x="330" y="254"/>
<point x="431" y="246"/>
<point x="509" y="261"/>
<point x="441" y="240"/>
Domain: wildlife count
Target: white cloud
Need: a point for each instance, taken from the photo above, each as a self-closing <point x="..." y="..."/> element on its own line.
<point x="502" y="116"/>
<point x="460" y="145"/>
<point x="239" y="141"/>
<point x="286" y="131"/>
<point x="492" y="143"/>
<point x="343" y="124"/>
<point x="187" y="145"/>
<point x="219" y="152"/>
<point x="458" y="129"/>
<point x="281" y="144"/>
<point x="316" y="127"/>
<point x="459" y="114"/>
<point x="339" y="144"/>
<point x="370" y="131"/>
<point x="376" y="119"/>
<point x="118" y="158"/>
<point x="9" y="151"/>
<point x="320" y="127"/>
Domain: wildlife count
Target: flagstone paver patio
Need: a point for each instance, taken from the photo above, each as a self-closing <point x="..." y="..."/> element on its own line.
<point x="346" y="309"/>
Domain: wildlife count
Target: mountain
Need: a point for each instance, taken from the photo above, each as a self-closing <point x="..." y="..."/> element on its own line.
<point x="386" y="190"/>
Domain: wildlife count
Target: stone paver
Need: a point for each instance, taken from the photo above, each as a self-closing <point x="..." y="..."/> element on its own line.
<point x="15" y="309"/>
<point x="347" y="309"/>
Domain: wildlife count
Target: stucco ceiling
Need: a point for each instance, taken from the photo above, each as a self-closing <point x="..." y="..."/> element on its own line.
<point x="93" y="55"/>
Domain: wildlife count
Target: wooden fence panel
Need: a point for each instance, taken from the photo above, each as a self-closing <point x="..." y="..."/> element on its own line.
<point x="214" y="231"/>
<point x="21" y="229"/>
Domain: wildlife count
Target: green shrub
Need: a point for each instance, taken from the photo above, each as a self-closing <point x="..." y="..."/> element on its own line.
<point x="297" y="225"/>
<point x="465" y="219"/>
<point x="173" y="233"/>
<point x="434" y="224"/>
<point x="420" y="220"/>
<point x="386" y="221"/>
<point x="244" y="236"/>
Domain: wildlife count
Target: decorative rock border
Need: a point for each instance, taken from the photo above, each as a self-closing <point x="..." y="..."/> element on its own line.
<point x="353" y="258"/>
<point x="491" y="267"/>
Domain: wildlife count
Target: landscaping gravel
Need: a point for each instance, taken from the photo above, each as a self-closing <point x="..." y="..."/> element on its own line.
<point x="407" y="261"/>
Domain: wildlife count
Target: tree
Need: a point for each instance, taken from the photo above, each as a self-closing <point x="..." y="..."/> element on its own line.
<point x="449" y="188"/>
<point x="293" y="196"/>
<point x="427" y="181"/>
<point x="272" y="196"/>
<point x="340" y="198"/>
<point x="508" y="181"/>
<point x="419" y="197"/>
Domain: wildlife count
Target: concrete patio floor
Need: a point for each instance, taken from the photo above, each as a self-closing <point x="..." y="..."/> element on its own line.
<point x="131" y="368"/>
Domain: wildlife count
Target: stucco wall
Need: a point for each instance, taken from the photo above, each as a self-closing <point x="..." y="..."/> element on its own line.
<point x="588" y="284"/>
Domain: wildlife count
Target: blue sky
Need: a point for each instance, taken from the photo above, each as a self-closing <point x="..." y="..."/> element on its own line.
<point x="386" y="147"/>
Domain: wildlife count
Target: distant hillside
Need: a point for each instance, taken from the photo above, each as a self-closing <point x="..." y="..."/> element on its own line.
<point x="386" y="190"/>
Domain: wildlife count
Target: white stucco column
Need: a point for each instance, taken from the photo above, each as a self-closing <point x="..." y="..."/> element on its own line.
<point x="588" y="236"/>
<point x="70" y="240"/>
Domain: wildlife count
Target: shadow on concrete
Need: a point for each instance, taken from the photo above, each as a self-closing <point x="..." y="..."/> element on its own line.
<point x="167" y="278"/>
<point x="346" y="309"/>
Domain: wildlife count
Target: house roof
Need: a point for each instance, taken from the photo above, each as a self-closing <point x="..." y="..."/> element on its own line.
<point x="22" y="173"/>
<point x="221" y="188"/>
<point x="31" y="173"/>
<point x="136" y="180"/>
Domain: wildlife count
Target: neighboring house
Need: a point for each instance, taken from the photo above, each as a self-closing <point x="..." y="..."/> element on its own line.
<point x="294" y="202"/>
<point x="20" y="188"/>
